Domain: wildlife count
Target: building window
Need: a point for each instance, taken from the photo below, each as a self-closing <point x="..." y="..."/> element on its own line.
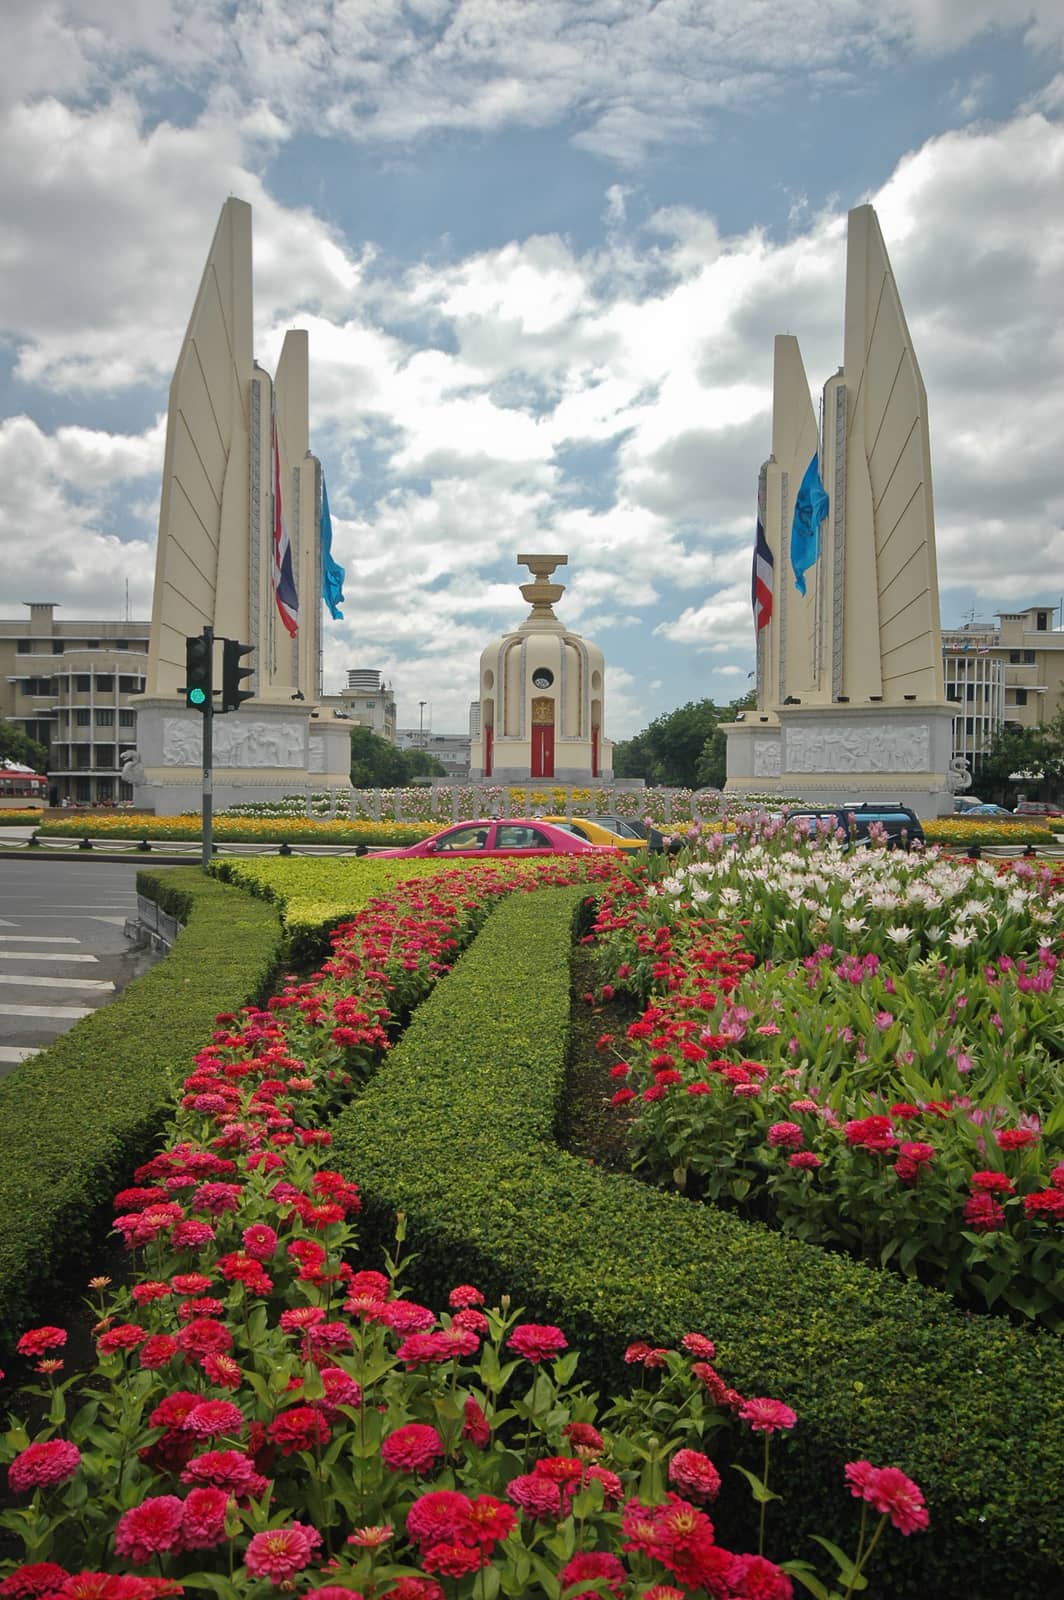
<point x="121" y="644"/>
<point x="1014" y="657"/>
<point x="127" y="719"/>
<point x="1043" y="622"/>
<point x="105" y="718"/>
<point x="82" y="683"/>
<point x="82" y="717"/>
<point x="969" y="724"/>
<point x="105" y="756"/>
<point x="129" y="685"/>
<point x="953" y="691"/>
<point x="970" y="695"/>
<point x="84" y="755"/>
<point x="105" y="682"/>
<point x="1021" y="697"/>
<point x="82" y="791"/>
<point x="57" y="647"/>
<point x="1028" y="658"/>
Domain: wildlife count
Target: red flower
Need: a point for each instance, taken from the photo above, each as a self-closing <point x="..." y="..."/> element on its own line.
<point x="476" y="1427"/>
<point x="36" y="1578"/>
<point x="225" y="1469"/>
<point x="38" y="1340"/>
<point x="983" y="1213"/>
<point x="124" y="1336"/>
<point x="785" y="1135"/>
<point x="43" y="1464"/>
<point x="221" y="1370"/>
<point x="150" y="1529"/>
<point x="591" y="1564"/>
<point x="1045" y="1203"/>
<point x="539" y="1497"/>
<point x="454" y="1560"/>
<point x="413" y="1448"/>
<point x="766" y="1416"/>
<point x="212" y="1418"/>
<point x="583" y="1437"/>
<point x="1016" y="1138"/>
<point x="992" y="1182"/>
<point x="890" y="1492"/>
<point x="299" y="1428"/>
<point x="464" y="1295"/>
<point x="695" y="1474"/>
<point x="436" y="1517"/>
<point x="413" y="1589"/>
<point x="805" y="1160"/>
<point x="203" y="1519"/>
<point x="537" y="1341"/>
<point x="279" y="1553"/>
<point x="871" y="1133"/>
<point x="696" y="1344"/>
<point x="755" y="1578"/>
<point x="144" y="1293"/>
<point x="158" y="1351"/>
<point x="205" y="1337"/>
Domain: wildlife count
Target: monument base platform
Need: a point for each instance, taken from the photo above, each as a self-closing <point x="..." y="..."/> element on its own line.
<point x="263" y="752"/>
<point x="827" y="755"/>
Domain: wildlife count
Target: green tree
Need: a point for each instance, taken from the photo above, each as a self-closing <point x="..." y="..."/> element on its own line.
<point x="17" y="746"/>
<point x="684" y="749"/>
<point x="1014" y="749"/>
<point x="377" y="764"/>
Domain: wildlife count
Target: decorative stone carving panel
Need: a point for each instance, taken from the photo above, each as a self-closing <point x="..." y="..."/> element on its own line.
<point x="249" y="744"/>
<point x="859" y="748"/>
<point x="766" y="758"/>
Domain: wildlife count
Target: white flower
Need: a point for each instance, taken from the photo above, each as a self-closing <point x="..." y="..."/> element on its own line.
<point x="900" y="935"/>
<point x="855" y="924"/>
<point x="961" y="938"/>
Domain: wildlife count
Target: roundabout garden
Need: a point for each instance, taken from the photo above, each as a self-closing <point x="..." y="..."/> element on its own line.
<point x="374" y="1331"/>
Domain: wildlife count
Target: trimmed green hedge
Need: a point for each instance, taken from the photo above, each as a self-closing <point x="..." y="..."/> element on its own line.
<point x="76" y="1119"/>
<point x="456" y="1130"/>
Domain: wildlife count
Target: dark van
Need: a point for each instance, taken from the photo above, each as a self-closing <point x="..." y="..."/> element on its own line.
<point x="901" y="823"/>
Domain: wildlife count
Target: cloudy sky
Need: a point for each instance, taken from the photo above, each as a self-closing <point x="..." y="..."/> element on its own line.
<point x="542" y="248"/>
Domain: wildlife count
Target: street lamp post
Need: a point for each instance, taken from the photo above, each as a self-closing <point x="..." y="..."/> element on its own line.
<point x="421" y="723"/>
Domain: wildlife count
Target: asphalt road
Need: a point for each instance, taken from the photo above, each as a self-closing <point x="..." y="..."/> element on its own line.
<point x="63" y="949"/>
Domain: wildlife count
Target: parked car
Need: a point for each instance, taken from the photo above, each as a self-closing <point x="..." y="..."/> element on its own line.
<point x="635" y="827"/>
<point x="901" y="823"/>
<point x="1037" y="808"/>
<point x="987" y="810"/>
<point x="491" y="836"/>
<point x="965" y="802"/>
<point x="597" y="831"/>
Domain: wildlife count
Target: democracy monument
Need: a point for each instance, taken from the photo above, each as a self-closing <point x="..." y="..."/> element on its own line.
<point x="240" y="551"/>
<point x="851" y="701"/>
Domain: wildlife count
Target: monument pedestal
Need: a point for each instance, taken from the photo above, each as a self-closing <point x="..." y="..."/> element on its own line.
<point x="828" y="755"/>
<point x="264" y="752"/>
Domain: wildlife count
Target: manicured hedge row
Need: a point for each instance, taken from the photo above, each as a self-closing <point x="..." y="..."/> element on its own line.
<point x="75" y="1119"/>
<point x="456" y="1131"/>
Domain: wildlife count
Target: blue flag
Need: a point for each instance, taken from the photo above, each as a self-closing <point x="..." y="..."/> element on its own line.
<point x="810" y="509"/>
<point x="332" y="573"/>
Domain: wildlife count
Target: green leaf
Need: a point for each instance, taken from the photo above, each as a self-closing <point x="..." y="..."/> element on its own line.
<point x="847" y="1570"/>
<point x="761" y="1494"/>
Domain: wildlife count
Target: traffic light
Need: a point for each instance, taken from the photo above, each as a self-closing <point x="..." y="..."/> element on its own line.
<point x="199" y="653"/>
<point x="233" y="674"/>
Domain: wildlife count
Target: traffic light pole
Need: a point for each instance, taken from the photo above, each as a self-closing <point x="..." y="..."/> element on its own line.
<point x="208" y="765"/>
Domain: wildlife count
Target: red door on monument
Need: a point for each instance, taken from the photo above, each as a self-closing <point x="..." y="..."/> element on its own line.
<point x="542" y="738"/>
<point x="489" y="750"/>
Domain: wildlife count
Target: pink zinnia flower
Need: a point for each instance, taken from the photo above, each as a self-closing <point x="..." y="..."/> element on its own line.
<point x="214" y="1417"/>
<point x="475" y="1426"/>
<point x="463" y="1296"/>
<point x="38" y="1340"/>
<point x="891" y="1493"/>
<point x="766" y="1416"/>
<point x="695" y="1474"/>
<point x="413" y="1448"/>
<point x="35" y="1578"/>
<point x="158" y="1351"/>
<point x="984" y="1214"/>
<point x="279" y="1553"/>
<point x="537" y="1341"/>
<point x="696" y="1344"/>
<point x="590" y="1564"/>
<point x="41" y="1465"/>
<point x="203" y="1518"/>
<point x="150" y="1529"/>
<point x="785" y="1136"/>
<point x="539" y="1497"/>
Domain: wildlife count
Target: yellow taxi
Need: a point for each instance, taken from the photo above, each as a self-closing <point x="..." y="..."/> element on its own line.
<point x="594" y="831"/>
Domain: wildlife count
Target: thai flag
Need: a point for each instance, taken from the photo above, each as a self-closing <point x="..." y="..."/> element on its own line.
<point x="284" y="583"/>
<point x="762" y="580"/>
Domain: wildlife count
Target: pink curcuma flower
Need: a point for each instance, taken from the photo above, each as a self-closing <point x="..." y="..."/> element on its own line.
<point x="767" y="1416"/>
<point x="413" y="1448"/>
<point x="150" y="1529"/>
<point x="891" y="1493"/>
<point x="537" y="1341"/>
<point x="44" y="1464"/>
<point x="279" y="1553"/>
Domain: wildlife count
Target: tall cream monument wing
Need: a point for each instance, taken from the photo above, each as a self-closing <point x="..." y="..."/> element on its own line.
<point x="851" y="700"/>
<point x="237" y="467"/>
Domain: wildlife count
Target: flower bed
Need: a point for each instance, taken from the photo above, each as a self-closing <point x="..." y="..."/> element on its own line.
<point x="262" y="1415"/>
<point x="886" y="1081"/>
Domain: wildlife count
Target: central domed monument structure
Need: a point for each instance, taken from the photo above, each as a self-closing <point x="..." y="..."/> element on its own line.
<point x="542" y="697"/>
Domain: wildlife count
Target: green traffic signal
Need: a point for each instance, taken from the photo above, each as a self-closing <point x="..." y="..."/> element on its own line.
<point x="199" y="662"/>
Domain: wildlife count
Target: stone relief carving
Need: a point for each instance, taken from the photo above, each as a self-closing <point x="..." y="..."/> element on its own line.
<point x="766" y="758"/>
<point x="859" y="749"/>
<point x="316" y="753"/>
<point x="253" y="744"/>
